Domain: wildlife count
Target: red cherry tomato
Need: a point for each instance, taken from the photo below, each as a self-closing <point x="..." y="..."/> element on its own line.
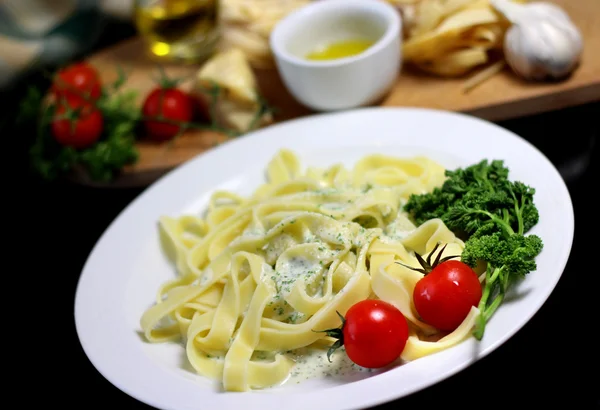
<point x="374" y="333"/>
<point x="170" y="104"/>
<point x="83" y="127"/>
<point x="444" y="296"/>
<point x="78" y="79"/>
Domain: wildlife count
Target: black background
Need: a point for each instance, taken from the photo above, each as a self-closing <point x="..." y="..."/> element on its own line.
<point x="552" y="360"/>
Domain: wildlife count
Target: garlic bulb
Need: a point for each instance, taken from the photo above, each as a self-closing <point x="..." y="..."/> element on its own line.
<point x="542" y="42"/>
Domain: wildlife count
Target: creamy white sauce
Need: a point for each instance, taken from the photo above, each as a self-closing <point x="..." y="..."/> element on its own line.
<point x="284" y="279"/>
<point x="312" y="363"/>
<point x="275" y="247"/>
<point x="334" y="206"/>
<point x="294" y="268"/>
<point x="398" y="229"/>
<point x="253" y="232"/>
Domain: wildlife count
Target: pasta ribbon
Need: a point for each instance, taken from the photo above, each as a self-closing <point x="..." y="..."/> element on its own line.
<point x="257" y="276"/>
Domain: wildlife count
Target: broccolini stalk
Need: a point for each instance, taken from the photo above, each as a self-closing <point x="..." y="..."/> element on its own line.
<point x="492" y="214"/>
<point x="509" y="255"/>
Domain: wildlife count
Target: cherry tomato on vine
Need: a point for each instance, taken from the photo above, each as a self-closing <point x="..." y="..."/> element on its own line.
<point x="166" y="109"/>
<point x="78" y="79"/>
<point x="444" y="296"/>
<point x="76" y="123"/>
<point x="374" y="333"/>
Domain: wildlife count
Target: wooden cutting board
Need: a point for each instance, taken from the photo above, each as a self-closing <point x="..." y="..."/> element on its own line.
<point x="504" y="96"/>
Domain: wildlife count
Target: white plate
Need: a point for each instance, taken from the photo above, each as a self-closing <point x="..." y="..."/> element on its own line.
<point x="126" y="266"/>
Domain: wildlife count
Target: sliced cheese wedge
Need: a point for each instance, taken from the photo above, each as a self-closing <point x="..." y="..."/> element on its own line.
<point x="238" y="103"/>
<point x="230" y="70"/>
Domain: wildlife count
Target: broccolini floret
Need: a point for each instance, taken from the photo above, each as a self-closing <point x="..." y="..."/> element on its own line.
<point x="508" y="258"/>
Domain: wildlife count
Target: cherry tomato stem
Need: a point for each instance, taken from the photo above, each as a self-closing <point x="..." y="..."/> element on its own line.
<point x="76" y="123"/>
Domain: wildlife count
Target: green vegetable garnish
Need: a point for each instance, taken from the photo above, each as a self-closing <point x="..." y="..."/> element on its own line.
<point x="116" y="146"/>
<point x="108" y="156"/>
<point x="492" y="214"/>
<point x="102" y="161"/>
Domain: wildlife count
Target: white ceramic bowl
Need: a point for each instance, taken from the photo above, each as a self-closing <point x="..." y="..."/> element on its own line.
<point x="359" y="80"/>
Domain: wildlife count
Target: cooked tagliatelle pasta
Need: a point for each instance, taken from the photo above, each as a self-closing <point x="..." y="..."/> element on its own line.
<point x="454" y="38"/>
<point x="258" y="275"/>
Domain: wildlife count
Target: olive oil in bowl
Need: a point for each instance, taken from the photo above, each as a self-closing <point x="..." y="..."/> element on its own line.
<point x="182" y="30"/>
<point x="340" y="49"/>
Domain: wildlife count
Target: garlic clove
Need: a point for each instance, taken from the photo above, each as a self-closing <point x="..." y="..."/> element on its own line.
<point x="542" y="42"/>
<point x="539" y="51"/>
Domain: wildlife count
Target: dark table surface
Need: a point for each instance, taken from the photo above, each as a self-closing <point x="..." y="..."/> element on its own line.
<point x="553" y="359"/>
